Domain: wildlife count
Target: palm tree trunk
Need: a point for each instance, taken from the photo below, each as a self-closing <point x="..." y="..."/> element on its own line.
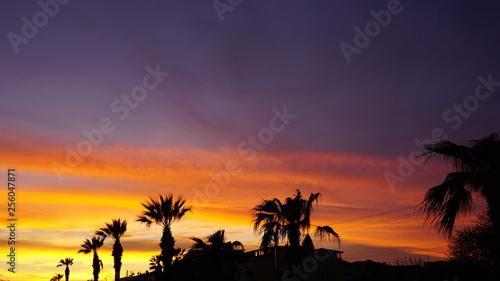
<point x="492" y="196"/>
<point x="493" y="201"/>
<point x="96" y="266"/>
<point x="276" y="275"/>
<point x="117" y="258"/>
<point x="167" y="252"/>
<point x="294" y="240"/>
<point x="66" y="272"/>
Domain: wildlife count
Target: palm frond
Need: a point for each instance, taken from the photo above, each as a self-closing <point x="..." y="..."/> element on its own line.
<point x="199" y="244"/>
<point x="268" y="239"/>
<point x="442" y="204"/>
<point x="446" y="149"/>
<point x="91" y="245"/>
<point x="66" y="261"/>
<point x="155" y="262"/>
<point x="326" y="232"/>
<point x="163" y="211"/>
<point x="279" y="221"/>
<point x="144" y="220"/>
<point x="115" y="229"/>
<point x="218" y="238"/>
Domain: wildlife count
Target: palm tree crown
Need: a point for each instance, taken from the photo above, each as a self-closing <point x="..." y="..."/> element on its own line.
<point x="477" y="169"/>
<point x="56" y="277"/>
<point x="216" y="242"/>
<point x="66" y="262"/>
<point x="279" y="221"/>
<point x="115" y="229"/>
<point x="164" y="211"/>
<point x="92" y="245"/>
<point x="217" y="263"/>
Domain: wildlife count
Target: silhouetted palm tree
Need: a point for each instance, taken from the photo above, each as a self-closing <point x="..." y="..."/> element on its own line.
<point x="115" y="230"/>
<point x="289" y="221"/>
<point x="164" y="211"/>
<point x="155" y="263"/>
<point x="56" y="277"/>
<point x="477" y="169"/>
<point x="66" y="262"/>
<point x="474" y="243"/>
<point x="92" y="246"/>
<point x="220" y="255"/>
<point x="216" y="242"/>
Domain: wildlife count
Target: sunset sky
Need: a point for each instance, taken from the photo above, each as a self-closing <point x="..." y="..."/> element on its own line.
<point x="105" y="103"/>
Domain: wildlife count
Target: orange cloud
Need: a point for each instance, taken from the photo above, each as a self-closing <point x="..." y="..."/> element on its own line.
<point x="112" y="182"/>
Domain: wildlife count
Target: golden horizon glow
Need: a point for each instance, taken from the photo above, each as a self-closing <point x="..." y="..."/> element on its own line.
<point x="56" y="217"/>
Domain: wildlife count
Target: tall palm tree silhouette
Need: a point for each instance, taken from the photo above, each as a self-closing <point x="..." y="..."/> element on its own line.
<point x="56" y="277"/>
<point x="477" y="170"/>
<point x="164" y="211"/>
<point x="93" y="245"/>
<point x="219" y="255"/>
<point x="66" y="262"/>
<point x="115" y="230"/>
<point x="289" y="221"/>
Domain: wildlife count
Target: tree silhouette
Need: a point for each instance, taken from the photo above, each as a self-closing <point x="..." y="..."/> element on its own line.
<point x="164" y="211"/>
<point x="93" y="245"/>
<point x="473" y="244"/>
<point x="179" y="254"/>
<point x="477" y="169"/>
<point x="155" y="263"/>
<point x="115" y="230"/>
<point x="66" y="262"/>
<point x="289" y="221"/>
<point x="218" y="263"/>
<point x="57" y="277"/>
<point x="156" y="266"/>
<point x="215" y="242"/>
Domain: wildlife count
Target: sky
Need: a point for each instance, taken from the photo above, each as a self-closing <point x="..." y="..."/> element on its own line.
<point x="105" y="103"/>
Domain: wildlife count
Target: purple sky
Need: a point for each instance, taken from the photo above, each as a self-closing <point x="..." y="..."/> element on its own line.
<point x="227" y="76"/>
